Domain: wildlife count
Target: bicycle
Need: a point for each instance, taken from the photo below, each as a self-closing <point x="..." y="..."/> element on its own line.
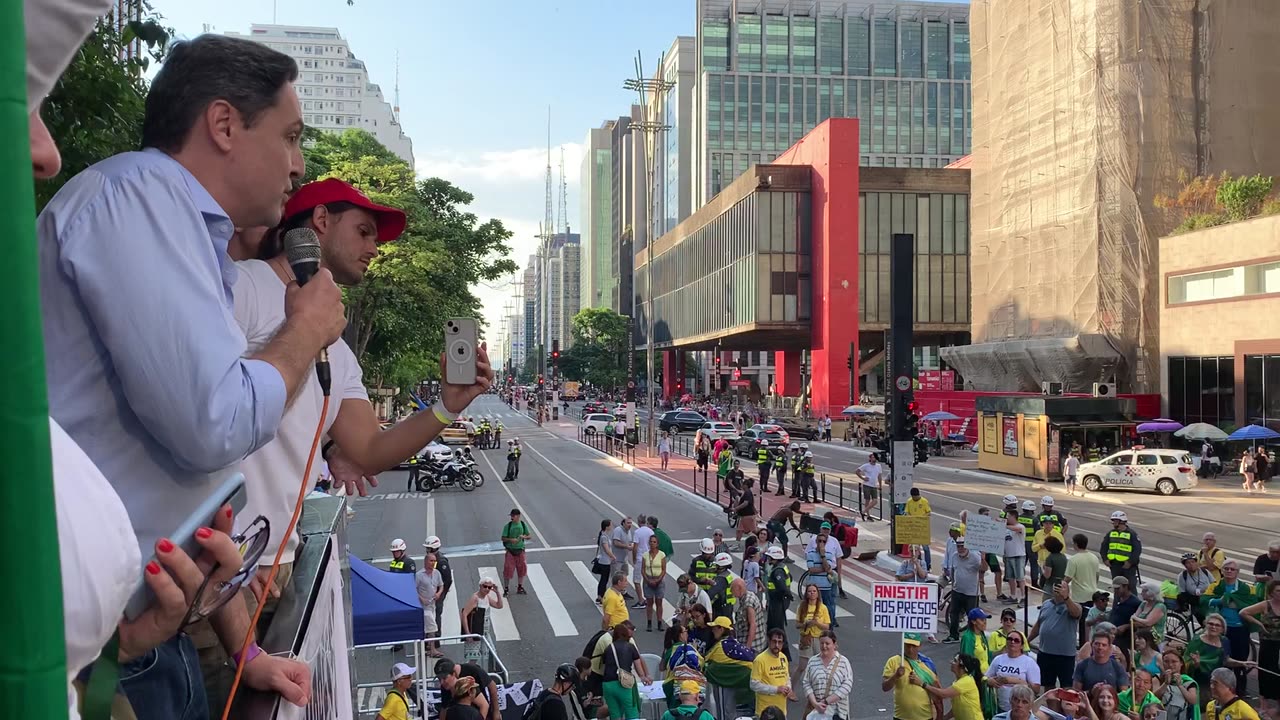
<point x="1180" y="625"/>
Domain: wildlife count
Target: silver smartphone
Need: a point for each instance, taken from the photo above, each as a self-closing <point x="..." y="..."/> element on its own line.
<point x="461" y="337"/>
<point x="229" y="492"/>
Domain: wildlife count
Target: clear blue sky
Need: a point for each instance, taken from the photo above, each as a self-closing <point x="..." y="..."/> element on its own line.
<point x="476" y="79"/>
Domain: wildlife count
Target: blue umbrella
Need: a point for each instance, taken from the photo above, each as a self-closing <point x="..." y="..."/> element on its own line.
<point x="1254" y="432"/>
<point x="938" y="415"/>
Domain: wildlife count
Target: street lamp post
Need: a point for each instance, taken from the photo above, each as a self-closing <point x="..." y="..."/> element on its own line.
<point x="651" y="126"/>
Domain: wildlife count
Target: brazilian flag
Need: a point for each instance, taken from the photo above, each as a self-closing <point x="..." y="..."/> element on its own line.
<point x="33" y="666"/>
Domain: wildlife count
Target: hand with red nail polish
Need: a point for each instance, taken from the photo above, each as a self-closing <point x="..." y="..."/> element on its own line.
<point x="204" y="533"/>
<point x="153" y="568"/>
<point x="164" y="546"/>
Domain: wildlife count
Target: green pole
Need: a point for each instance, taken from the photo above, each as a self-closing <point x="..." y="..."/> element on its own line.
<point x="33" y="665"/>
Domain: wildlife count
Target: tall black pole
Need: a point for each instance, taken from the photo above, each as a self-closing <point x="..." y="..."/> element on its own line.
<point x="901" y="298"/>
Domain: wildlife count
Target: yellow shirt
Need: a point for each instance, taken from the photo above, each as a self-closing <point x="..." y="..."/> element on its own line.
<point x="1037" y="543"/>
<point x="910" y="702"/>
<point x="771" y="670"/>
<point x="615" y="607"/>
<point x="968" y="704"/>
<point x="822" y="615"/>
<point x="394" y="708"/>
<point x="918" y="508"/>
<point x="1218" y="557"/>
<point x="1238" y="710"/>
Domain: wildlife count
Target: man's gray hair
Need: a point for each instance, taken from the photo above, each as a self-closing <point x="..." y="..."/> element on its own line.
<point x="1104" y="628"/>
<point x="1275" y="545"/>
<point x="617" y="577"/>
<point x="1023" y="693"/>
<point x="1226" y="677"/>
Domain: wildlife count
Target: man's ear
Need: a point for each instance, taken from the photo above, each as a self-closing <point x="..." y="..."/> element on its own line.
<point x="321" y="218"/>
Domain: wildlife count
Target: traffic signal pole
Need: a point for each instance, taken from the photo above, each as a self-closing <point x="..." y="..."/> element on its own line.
<point x="899" y="362"/>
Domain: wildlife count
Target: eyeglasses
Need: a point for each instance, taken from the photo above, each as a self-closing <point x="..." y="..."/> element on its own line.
<point x="1015" y="639"/>
<point x="251" y="543"/>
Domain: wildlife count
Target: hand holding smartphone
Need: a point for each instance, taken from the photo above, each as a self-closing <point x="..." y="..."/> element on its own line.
<point x="461" y="337"/>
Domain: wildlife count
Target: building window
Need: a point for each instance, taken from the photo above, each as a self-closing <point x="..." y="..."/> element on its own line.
<point x="886" y="60"/>
<point x="831" y="46"/>
<point x="859" y="46"/>
<point x="912" y="49"/>
<point x="805" y="33"/>
<point x="960" y="38"/>
<point x="777" y="38"/>
<point x="746" y="54"/>
<point x="938" y="41"/>
<point x="715" y="44"/>
<point x="1226" y="283"/>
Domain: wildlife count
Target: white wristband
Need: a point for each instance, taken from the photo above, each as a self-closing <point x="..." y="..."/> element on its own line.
<point x="442" y="414"/>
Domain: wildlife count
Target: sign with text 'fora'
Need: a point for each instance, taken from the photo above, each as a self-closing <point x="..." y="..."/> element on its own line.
<point x="904" y="607"/>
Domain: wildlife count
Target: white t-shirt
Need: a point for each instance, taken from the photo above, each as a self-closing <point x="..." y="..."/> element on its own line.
<point x="1070" y="467"/>
<point x="1022" y="667"/>
<point x="1015" y="541"/>
<point x="101" y="564"/>
<point x="643" y="533"/>
<point x="273" y="472"/>
<point x="872" y="473"/>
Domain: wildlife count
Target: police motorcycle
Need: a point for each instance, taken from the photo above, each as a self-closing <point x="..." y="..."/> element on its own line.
<point x="465" y="457"/>
<point x="448" y="473"/>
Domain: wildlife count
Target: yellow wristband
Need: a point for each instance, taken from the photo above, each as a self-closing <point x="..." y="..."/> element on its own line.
<point x="442" y="414"/>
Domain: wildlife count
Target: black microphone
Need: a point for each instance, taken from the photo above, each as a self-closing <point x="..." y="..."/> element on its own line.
<point x="302" y="248"/>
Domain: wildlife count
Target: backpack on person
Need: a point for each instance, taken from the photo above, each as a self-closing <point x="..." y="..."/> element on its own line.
<point x="533" y="711"/>
<point x="590" y="650"/>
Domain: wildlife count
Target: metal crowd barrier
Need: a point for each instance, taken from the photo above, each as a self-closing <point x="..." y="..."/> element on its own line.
<point x="623" y="448"/>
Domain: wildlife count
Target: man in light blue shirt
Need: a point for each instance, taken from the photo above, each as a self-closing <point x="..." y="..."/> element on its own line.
<point x="143" y="354"/>
<point x="821" y="560"/>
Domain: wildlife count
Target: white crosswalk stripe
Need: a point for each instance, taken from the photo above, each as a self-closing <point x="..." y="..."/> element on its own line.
<point x="561" y="621"/>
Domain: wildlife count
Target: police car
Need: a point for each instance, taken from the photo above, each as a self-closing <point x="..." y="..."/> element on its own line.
<point x="1165" y="471"/>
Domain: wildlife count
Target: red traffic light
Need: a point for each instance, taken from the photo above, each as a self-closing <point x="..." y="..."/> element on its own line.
<point x="737" y="374"/>
<point x="912" y="407"/>
<point x="555" y="354"/>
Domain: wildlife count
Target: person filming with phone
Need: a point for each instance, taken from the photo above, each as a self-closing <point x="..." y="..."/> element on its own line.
<point x="347" y="230"/>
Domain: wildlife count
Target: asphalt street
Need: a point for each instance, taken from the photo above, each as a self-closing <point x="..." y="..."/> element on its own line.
<point x="1167" y="526"/>
<point x="565" y="489"/>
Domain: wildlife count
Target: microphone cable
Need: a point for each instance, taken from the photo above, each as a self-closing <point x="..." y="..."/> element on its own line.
<point x="303" y="491"/>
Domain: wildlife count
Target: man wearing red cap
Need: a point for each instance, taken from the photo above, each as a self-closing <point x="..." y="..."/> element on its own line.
<point x="350" y="227"/>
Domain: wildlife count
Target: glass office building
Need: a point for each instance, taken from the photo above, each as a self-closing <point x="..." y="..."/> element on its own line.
<point x="770" y="71"/>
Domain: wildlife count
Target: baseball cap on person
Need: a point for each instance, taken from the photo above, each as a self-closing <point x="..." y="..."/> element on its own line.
<point x="400" y="670"/>
<point x="690" y="687"/>
<point x="1009" y="613"/>
<point x="978" y="614"/>
<point x="722" y="622"/>
<point x="911" y="638"/>
<point x="960" y="540"/>
<point x="1120" y="581"/>
<point x="825" y="526"/>
<point x="391" y="221"/>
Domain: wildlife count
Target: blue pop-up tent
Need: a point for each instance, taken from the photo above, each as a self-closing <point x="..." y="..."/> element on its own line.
<point x="384" y="606"/>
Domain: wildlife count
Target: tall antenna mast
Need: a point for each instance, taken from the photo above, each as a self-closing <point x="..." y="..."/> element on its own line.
<point x="396" y="107"/>
<point x="563" y="225"/>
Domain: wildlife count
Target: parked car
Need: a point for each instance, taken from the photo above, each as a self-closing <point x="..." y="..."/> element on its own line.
<point x="806" y="430"/>
<point x="751" y="437"/>
<point x="1165" y="471"/>
<point x="716" y="430"/>
<point x="435" y="451"/>
<point x="594" y="406"/>
<point x="680" y="420"/>
<point x="597" y="423"/>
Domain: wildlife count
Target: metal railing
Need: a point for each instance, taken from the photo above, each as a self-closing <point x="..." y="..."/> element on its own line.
<point x="370" y="694"/>
<point x="623" y="448"/>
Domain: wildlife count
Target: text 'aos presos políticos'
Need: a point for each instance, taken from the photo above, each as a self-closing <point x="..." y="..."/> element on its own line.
<point x="903" y="607"/>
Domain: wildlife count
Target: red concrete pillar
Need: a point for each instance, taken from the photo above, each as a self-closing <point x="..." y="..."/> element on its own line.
<point x="669" y="373"/>
<point x="831" y="152"/>
<point x="787" y="375"/>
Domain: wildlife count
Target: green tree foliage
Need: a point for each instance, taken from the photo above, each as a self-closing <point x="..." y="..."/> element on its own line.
<point x="598" y="355"/>
<point x="95" y="110"/>
<point x="396" y="316"/>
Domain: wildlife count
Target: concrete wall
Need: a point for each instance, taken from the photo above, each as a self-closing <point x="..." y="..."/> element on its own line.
<point x="1238" y="326"/>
